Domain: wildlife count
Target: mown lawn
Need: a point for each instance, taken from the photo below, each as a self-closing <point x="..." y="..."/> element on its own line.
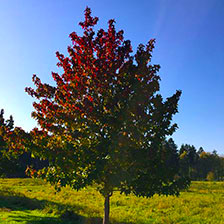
<point x="32" y="201"/>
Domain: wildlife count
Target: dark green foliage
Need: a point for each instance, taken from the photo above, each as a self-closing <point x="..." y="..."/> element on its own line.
<point x="198" y="165"/>
<point x="13" y="160"/>
<point x="210" y="163"/>
<point x="188" y="159"/>
<point x="8" y="163"/>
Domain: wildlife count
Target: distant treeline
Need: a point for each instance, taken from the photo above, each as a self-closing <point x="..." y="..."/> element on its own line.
<point x="201" y="165"/>
<point x="195" y="164"/>
<point x="13" y="160"/>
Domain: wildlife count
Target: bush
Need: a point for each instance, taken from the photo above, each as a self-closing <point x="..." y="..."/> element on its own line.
<point x="210" y="176"/>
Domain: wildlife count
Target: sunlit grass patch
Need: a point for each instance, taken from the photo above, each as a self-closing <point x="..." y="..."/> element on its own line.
<point x="32" y="201"/>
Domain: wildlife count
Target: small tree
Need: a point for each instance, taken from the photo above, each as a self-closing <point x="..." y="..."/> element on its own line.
<point x="188" y="160"/>
<point x="210" y="176"/>
<point x="104" y="122"/>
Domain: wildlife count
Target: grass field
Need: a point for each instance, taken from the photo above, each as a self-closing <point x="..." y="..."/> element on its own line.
<point x="32" y="201"/>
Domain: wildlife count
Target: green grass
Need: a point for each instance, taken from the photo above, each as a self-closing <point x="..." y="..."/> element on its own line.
<point x="32" y="201"/>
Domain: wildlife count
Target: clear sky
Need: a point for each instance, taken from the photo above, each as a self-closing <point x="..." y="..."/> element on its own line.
<point x="189" y="48"/>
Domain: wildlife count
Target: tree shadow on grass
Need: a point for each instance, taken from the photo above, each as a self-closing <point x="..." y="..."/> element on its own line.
<point x="11" y="202"/>
<point x="32" y="219"/>
<point x="14" y="201"/>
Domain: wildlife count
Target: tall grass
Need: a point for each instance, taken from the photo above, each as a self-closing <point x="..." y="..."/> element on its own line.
<point x="32" y="201"/>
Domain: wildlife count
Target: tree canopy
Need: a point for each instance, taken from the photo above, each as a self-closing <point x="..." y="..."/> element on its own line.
<point x="104" y="121"/>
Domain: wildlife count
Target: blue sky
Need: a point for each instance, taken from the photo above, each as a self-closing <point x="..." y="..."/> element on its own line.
<point x="189" y="48"/>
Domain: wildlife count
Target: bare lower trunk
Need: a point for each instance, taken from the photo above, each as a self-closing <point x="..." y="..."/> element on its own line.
<point x="106" y="209"/>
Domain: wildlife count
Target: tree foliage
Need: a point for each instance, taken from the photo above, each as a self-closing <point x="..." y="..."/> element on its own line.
<point x="5" y="127"/>
<point x="200" y="165"/>
<point x="10" y="146"/>
<point x="188" y="159"/>
<point x="210" y="165"/>
<point x="14" y="159"/>
<point x="104" y="121"/>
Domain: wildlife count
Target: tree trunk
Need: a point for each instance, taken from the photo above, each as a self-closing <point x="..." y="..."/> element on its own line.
<point x="106" y="209"/>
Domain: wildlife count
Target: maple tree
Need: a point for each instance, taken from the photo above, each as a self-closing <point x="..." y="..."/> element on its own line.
<point x="104" y="121"/>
